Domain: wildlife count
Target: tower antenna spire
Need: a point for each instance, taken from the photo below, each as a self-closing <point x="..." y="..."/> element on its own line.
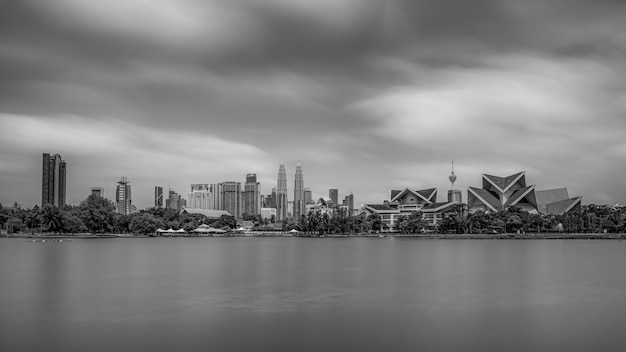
<point x="452" y="177"/>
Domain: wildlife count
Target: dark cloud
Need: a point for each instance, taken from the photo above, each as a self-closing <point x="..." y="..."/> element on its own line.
<point x="345" y="83"/>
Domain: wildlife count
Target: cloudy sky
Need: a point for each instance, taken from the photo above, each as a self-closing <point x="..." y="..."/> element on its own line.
<point x="370" y="95"/>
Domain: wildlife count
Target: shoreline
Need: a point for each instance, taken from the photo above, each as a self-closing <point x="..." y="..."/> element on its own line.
<point x="510" y="236"/>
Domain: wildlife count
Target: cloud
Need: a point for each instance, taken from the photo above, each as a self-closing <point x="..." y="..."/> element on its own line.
<point x="99" y="152"/>
<point x="368" y="94"/>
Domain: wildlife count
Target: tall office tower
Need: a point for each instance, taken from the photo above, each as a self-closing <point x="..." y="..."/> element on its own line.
<point x="252" y="197"/>
<point x="281" y="193"/>
<point x="201" y="196"/>
<point x="231" y="198"/>
<point x="123" y="199"/>
<point x="97" y="192"/>
<point x="175" y="201"/>
<point x="454" y="195"/>
<point x="308" y="196"/>
<point x="158" y="197"/>
<point x="348" y="201"/>
<point x="333" y="194"/>
<point x="53" y="180"/>
<point x="298" y="192"/>
<point x="273" y="198"/>
<point x="215" y="202"/>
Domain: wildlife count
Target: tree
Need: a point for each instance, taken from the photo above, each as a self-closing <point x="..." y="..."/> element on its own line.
<point x="72" y="223"/>
<point x="144" y="223"/>
<point x="33" y="220"/>
<point x="97" y="214"/>
<point x="513" y="223"/>
<point x="52" y="218"/>
<point x="376" y="223"/>
<point x="14" y="225"/>
<point x="225" y="221"/>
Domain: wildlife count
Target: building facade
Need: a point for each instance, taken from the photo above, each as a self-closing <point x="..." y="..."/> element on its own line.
<point x="53" y="180"/>
<point x="333" y="194"/>
<point x="123" y="196"/>
<point x="298" y="193"/>
<point x="175" y="201"/>
<point x="201" y="196"/>
<point x="267" y="213"/>
<point x="231" y="198"/>
<point x="158" y="197"/>
<point x="281" y="193"/>
<point x="97" y="192"/>
<point x="252" y="196"/>
<point x="348" y="202"/>
<point x="406" y="202"/>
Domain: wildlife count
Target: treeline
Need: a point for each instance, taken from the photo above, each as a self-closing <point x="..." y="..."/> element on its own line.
<point x="97" y="215"/>
<point x="592" y="219"/>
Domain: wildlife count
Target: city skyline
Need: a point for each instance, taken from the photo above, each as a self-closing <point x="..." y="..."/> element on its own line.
<point x="371" y="95"/>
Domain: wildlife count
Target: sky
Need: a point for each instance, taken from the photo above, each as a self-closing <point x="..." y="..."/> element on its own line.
<point x="369" y="95"/>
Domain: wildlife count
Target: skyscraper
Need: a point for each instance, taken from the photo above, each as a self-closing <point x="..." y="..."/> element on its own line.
<point x="333" y="194"/>
<point x="231" y="199"/>
<point x="281" y="193"/>
<point x="252" y="197"/>
<point x="158" y="197"/>
<point x="174" y="201"/>
<point x="308" y="196"/>
<point x="272" y="203"/>
<point x="123" y="198"/>
<point x="53" y="180"/>
<point x="298" y="193"/>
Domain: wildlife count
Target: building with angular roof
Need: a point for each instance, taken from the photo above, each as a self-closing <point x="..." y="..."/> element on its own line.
<point x="406" y="201"/>
<point x="499" y="193"/>
<point x="557" y="201"/>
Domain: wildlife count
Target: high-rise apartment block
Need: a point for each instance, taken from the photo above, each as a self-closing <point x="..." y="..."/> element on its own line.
<point x="298" y="193"/>
<point x="123" y="199"/>
<point x="252" y="196"/>
<point x="202" y="196"/>
<point x="333" y="194"/>
<point x="53" y="182"/>
<point x="158" y="197"/>
<point x="281" y="193"/>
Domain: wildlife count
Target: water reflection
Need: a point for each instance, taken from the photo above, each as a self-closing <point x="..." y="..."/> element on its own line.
<point x="310" y="294"/>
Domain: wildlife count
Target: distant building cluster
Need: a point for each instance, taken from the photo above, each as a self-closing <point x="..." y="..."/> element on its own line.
<point x="214" y="199"/>
<point x="497" y="194"/>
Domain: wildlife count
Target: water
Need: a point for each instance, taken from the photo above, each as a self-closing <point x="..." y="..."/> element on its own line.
<point x="294" y="294"/>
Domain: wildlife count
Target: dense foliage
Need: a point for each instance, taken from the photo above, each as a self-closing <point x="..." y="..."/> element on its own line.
<point x="97" y="215"/>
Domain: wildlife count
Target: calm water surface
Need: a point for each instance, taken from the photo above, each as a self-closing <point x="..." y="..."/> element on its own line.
<point x="291" y="294"/>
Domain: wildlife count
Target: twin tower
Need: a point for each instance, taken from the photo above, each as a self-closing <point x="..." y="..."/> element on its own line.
<point x="281" y="193"/>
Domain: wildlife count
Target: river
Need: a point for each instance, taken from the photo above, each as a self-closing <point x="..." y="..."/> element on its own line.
<point x="303" y="294"/>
